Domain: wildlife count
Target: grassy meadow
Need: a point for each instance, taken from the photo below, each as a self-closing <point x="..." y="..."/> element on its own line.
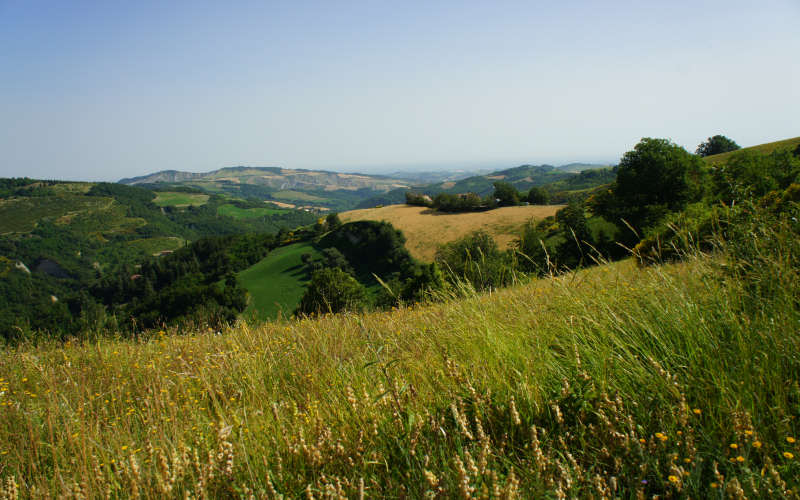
<point x="247" y="213"/>
<point x="619" y="381"/>
<point x="176" y="199"/>
<point x="426" y="229"/>
<point x="158" y="244"/>
<point x="276" y="283"/>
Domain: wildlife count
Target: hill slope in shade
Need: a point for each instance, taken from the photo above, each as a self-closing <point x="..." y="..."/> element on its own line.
<point x="426" y="229"/>
<point x="761" y="148"/>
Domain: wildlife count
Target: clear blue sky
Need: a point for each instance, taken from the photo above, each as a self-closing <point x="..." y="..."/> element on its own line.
<point x="110" y="89"/>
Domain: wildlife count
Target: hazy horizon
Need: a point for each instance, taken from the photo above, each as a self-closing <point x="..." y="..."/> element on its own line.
<point x="95" y="91"/>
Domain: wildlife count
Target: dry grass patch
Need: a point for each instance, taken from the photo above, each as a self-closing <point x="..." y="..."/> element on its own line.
<point x="426" y="229"/>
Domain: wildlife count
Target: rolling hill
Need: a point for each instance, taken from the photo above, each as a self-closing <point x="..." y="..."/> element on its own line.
<point x="786" y="144"/>
<point x="306" y="188"/>
<point x="426" y="229"/>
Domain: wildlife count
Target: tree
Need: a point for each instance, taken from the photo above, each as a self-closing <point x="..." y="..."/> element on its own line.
<point x="476" y="259"/>
<point x="333" y="221"/>
<point x="505" y="194"/>
<point x="538" y="196"/>
<point x="332" y="290"/>
<point x="656" y="177"/>
<point x="716" y="145"/>
<point x="572" y="220"/>
<point x="534" y="252"/>
<point x="335" y="259"/>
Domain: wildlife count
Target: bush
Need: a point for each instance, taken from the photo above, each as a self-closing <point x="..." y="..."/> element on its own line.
<point x="476" y="259"/>
<point x="331" y="291"/>
<point x="418" y="199"/>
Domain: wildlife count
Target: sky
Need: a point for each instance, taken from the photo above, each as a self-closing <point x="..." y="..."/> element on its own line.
<point x="110" y="89"/>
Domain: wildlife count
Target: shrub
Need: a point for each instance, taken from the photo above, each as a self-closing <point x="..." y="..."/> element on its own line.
<point x="331" y="291"/>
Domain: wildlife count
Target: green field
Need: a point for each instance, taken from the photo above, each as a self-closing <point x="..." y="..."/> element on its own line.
<point x="277" y="283"/>
<point x="295" y="195"/>
<point x="761" y="148"/>
<point x="171" y="199"/>
<point x="247" y="213"/>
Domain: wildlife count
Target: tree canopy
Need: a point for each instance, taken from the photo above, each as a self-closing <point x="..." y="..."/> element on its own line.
<point x="716" y="145"/>
<point x="332" y="290"/>
<point x="656" y="177"/>
<point x="505" y="194"/>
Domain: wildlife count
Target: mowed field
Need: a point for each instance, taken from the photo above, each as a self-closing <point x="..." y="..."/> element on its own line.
<point x="277" y="282"/>
<point x="426" y="229"/>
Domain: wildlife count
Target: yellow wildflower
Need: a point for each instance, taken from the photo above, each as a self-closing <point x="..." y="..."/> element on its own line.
<point x="787" y="454"/>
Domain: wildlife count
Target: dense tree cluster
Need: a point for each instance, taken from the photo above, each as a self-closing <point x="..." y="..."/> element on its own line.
<point x="716" y="145"/>
<point x="374" y="255"/>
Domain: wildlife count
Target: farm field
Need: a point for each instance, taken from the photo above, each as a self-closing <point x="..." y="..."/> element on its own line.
<point x="247" y="213"/>
<point x="426" y="229"/>
<point x="176" y="199"/>
<point x="277" y="282"/>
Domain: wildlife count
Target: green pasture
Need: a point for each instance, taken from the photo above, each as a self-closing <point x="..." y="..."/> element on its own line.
<point x="277" y="282"/>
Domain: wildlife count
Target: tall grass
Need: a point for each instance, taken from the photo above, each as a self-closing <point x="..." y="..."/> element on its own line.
<point x="678" y="380"/>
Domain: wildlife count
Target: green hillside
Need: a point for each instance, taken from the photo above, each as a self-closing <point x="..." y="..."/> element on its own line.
<point x="316" y="189"/>
<point x="84" y="244"/>
<point x="276" y="284"/>
<point x="768" y="147"/>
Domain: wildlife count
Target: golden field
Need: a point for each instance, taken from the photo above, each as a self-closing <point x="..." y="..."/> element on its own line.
<point x="426" y="229"/>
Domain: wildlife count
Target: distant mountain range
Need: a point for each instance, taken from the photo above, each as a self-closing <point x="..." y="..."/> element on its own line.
<point x="344" y="191"/>
<point x="274" y="177"/>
